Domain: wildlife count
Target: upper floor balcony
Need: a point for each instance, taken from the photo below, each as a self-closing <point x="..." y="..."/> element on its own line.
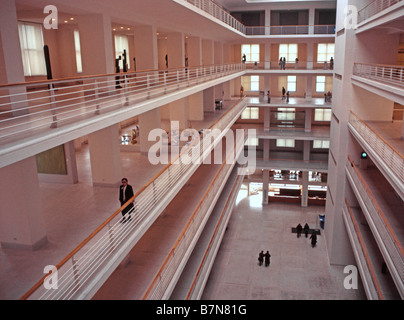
<point x="385" y="148"/>
<point x="209" y="8"/>
<point x="385" y="80"/>
<point x="388" y="13"/>
<point x="36" y="116"/>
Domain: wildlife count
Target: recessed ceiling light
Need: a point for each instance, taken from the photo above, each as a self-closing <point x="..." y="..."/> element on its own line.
<point x="72" y="19"/>
<point x="66" y="21"/>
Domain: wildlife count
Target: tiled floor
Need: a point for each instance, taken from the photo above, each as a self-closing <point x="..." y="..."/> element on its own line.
<point x="297" y="271"/>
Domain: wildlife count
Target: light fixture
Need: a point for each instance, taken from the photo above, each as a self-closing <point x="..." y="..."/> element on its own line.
<point x="72" y="19"/>
<point x="364" y="155"/>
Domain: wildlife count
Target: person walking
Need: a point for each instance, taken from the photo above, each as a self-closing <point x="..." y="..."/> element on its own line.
<point x="125" y="193"/>
<point x="283" y="92"/>
<point x="269" y="97"/>
<point x="287" y="96"/>
<point x="284" y="63"/>
<point x="267" y="256"/>
<point x="280" y="64"/>
<point x="261" y="258"/>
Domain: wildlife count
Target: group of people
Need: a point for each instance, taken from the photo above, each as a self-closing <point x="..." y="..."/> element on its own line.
<point x="306" y="230"/>
<point x="283" y="94"/>
<point x="264" y="257"/>
<point x="327" y="96"/>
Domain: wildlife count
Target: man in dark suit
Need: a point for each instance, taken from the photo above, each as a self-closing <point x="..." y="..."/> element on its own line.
<point x="125" y="193"/>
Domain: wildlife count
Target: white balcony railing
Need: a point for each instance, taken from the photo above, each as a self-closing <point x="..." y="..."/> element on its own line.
<point x="385" y="236"/>
<point x="36" y="107"/>
<point x="390" y="156"/>
<point x="375" y="7"/>
<point x="392" y="75"/>
<point x="368" y="275"/>
<point x="220" y="13"/>
<point x="81" y="270"/>
<point x="159" y="288"/>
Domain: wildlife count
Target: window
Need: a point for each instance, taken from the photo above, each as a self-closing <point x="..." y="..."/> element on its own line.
<point x="255" y="83"/>
<point x="320" y="83"/>
<point x="289" y="51"/>
<point x="325" y="51"/>
<point x="287" y="143"/>
<point x="251" y="51"/>
<point x="286" y="114"/>
<point x="321" y="144"/>
<point x="78" y="51"/>
<point x="291" y="85"/>
<point x="251" y="142"/>
<point x="121" y="43"/>
<point x="250" y="113"/>
<point x="322" y="114"/>
<point x="31" y="41"/>
<point x="250" y="83"/>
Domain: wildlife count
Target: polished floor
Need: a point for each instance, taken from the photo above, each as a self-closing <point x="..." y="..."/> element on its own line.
<point x="296" y="271"/>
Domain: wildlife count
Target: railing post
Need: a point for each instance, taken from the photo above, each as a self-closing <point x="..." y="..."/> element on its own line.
<point x="125" y="79"/>
<point x="96" y="97"/>
<point x="165" y="81"/>
<point x="148" y="85"/>
<point x="54" y="123"/>
<point x="178" y="80"/>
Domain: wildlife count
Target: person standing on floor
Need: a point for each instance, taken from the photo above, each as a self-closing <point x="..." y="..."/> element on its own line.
<point x="269" y="97"/>
<point x="261" y="258"/>
<point x="313" y="238"/>
<point x="283" y="92"/>
<point x="125" y="193"/>
<point x="306" y="229"/>
<point x="284" y="63"/>
<point x="267" y="256"/>
<point x="299" y="229"/>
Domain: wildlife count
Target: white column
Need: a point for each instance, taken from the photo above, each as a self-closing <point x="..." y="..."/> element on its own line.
<point x="311" y="20"/>
<point x="307" y="119"/>
<point x="310" y="58"/>
<point x="179" y="112"/>
<point x="175" y="50"/>
<point x="146" y="52"/>
<point x="218" y="51"/>
<point x="207" y="52"/>
<point x="195" y="106"/>
<point x="209" y="100"/>
<point x="148" y="121"/>
<point x="11" y="66"/>
<point x="96" y="44"/>
<point x="265" y="181"/>
<point x="105" y="157"/>
<point x="267" y="119"/>
<point x="194" y="51"/>
<point x="267" y="55"/>
<point x="267" y="22"/>
<point x="309" y="87"/>
<point x="305" y="188"/>
<point x="306" y="150"/>
<point x="21" y="219"/>
<point x="266" y="148"/>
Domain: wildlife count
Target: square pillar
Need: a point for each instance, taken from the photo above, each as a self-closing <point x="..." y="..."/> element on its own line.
<point x="175" y="50"/>
<point x="96" y="44"/>
<point x="265" y="182"/>
<point x="146" y="52"/>
<point x="22" y="224"/>
<point x="305" y="188"/>
<point x="105" y="157"/>
<point x="307" y="119"/>
<point x="194" y="45"/>
<point x="147" y="122"/>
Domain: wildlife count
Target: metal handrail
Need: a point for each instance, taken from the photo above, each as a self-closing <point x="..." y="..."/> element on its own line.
<point x="363" y="247"/>
<point x="220" y="13"/>
<point x="59" y="102"/>
<point x="391" y="74"/>
<point x="380" y="224"/>
<point x="375" y="7"/>
<point x="164" y="276"/>
<point x="389" y="155"/>
<point x="79" y="267"/>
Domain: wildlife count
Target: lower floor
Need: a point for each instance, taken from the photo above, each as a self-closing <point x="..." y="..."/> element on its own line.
<point x="297" y="271"/>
